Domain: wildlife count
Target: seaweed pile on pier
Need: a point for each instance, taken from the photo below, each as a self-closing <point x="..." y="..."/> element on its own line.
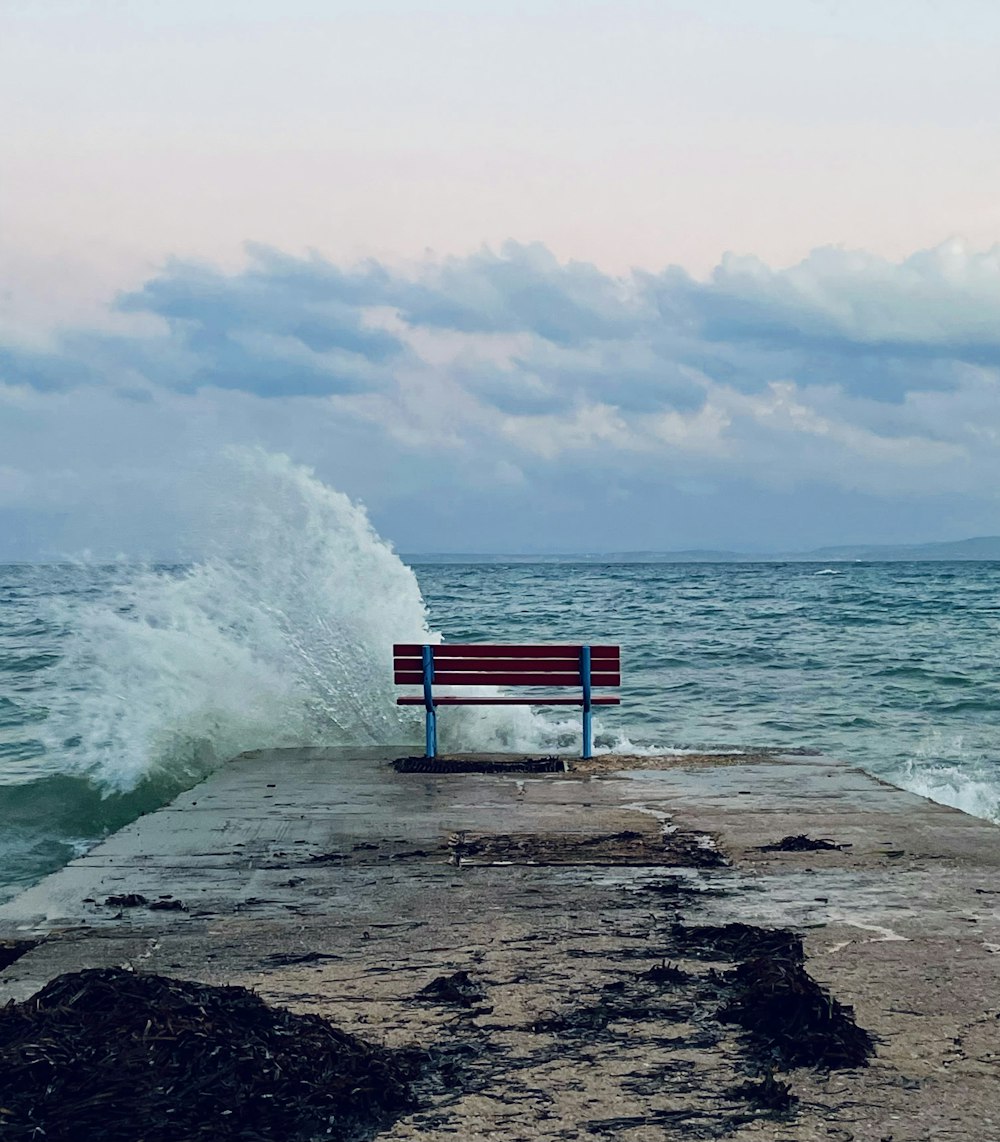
<point x="800" y="843"/>
<point x="480" y="764"/>
<point x="791" y="1020"/>
<point x="112" y="1056"/>
<point x="651" y="848"/>
<point x="788" y="1019"/>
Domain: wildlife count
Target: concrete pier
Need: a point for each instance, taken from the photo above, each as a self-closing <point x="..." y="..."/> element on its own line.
<point x="332" y="884"/>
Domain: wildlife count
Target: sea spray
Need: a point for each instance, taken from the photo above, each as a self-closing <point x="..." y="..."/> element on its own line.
<point x="946" y="769"/>
<point x="282" y="636"/>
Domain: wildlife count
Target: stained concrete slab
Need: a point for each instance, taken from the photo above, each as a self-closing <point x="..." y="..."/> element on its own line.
<point x="332" y="884"/>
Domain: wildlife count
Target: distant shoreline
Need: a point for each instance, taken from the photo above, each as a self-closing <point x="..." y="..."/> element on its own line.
<point x="985" y="549"/>
<point x="981" y="549"/>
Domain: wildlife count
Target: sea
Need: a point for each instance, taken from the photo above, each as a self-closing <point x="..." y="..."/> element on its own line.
<point x="123" y="683"/>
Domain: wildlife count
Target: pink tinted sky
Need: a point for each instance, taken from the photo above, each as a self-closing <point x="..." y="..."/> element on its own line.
<point x="629" y="134"/>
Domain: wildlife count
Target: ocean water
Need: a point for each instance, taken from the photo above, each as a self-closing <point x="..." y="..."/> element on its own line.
<point x="121" y="684"/>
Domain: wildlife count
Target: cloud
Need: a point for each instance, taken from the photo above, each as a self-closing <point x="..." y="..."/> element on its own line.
<point x="511" y="387"/>
<point x="850" y="318"/>
<point x="523" y="288"/>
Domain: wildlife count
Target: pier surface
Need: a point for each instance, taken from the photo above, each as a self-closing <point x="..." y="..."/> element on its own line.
<point x="332" y="884"/>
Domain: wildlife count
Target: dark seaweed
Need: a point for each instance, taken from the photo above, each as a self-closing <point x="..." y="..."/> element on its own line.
<point x="587" y="1019"/>
<point x="458" y="988"/>
<point x="767" y="1093"/>
<point x="665" y="973"/>
<point x="800" y="844"/>
<point x="736" y="942"/>
<point x="791" y="1020"/>
<point x="112" y="1056"/>
<point x="13" y="950"/>
<point x="290" y="959"/>
<point x="479" y="765"/>
<point x="627" y="847"/>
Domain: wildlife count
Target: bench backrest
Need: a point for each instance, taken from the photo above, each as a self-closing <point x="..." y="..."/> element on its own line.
<point x="459" y="664"/>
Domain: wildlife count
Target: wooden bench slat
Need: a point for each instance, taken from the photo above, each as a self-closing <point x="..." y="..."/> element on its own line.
<point x="488" y="650"/>
<point x="504" y="701"/>
<point x="489" y="678"/>
<point x="563" y="665"/>
<point x="492" y="668"/>
<point x="507" y="665"/>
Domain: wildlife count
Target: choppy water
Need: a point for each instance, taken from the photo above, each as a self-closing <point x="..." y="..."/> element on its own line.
<point x="119" y="685"/>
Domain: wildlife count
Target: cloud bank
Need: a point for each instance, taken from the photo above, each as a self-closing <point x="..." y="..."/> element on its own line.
<point x="509" y="401"/>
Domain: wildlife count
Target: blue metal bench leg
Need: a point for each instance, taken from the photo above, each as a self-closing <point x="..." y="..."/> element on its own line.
<point x="431" y="732"/>
<point x="431" y="718"/>
<point x="587" y="720"/>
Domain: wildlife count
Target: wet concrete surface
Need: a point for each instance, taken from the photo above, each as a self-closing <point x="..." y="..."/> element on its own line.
<point x="331" y="884"/>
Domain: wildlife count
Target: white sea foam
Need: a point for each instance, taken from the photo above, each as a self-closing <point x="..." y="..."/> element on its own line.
<point x="954" y="784"/>
<point x="946" y="767"/>
<point x="283" y="637"/>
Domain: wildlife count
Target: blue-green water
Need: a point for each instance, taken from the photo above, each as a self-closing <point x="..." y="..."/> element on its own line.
<point x="890" y="664"/>
<point x="120" y="685"/>
<point x="111" y="701"/>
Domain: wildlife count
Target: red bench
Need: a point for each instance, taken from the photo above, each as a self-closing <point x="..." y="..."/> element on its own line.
<point x="491" y="665"/>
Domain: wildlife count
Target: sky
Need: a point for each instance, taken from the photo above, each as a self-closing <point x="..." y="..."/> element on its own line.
<point x="559" y="276"/>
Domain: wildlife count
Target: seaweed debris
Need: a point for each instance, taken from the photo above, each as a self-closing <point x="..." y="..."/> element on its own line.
<point x="137" y="900"/>
<point x="767" y="1093"/>
<point x="736" y="942"/>
<point x="292" y="959"/>
<point x="800" y="843"/>
<point x="665" y="973"/>
<point x="13" y="950"/>
<point x="110" y="1055"/>
<point x="479" y="765"/>
<point x="459" y="988"/>
<point x="628" y="847"/>
<point x="625" y="1006"/>
<point x="792" y="1021"/>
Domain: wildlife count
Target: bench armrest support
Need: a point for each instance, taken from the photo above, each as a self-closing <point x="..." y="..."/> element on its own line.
<point x="587" y="717"/>
<point x="430" y="719"/>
